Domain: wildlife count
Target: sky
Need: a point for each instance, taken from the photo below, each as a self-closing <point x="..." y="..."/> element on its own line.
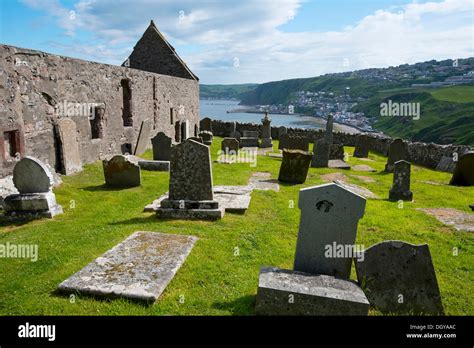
<point x="249" y="41"/>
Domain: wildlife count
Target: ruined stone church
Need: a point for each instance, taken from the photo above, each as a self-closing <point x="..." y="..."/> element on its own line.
<point x="55" y="107"/>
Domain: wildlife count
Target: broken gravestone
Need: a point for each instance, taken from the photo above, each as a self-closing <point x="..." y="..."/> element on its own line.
<point x="401" y="182"/>
<point x="397" y="151"/>
<point x="398" y="277"/>
<point x="143" y="137"/>
<point x="294" y="167"/>
<point x="464" y="171"/>
<point x="68" y="146"/>
<point x="161" y="147"/>
<point x="121" y="171"/>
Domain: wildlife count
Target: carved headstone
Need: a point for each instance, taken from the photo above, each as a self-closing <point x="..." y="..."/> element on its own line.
<point x="294" y="167"/>
<point x="401" y="182"/>
<point x="68" y="146"/>
<point x="121" y="171"/>
<point x="161" y="147"/>
<point x="266" y="132"/>
<point x="397" y="151"/>
<point x="320" y="154"/>
<point x="464" y="171"/>
<point x="230" y="144"/>
<point x="398" y="277"/>
<point x="30" y="175"/>
<point x="329" y="218"/>
<point x="362" y="146"/>
<point x="143" y="137"/>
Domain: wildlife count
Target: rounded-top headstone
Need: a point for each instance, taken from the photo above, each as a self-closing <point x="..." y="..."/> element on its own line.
<point x="32" y="176"/>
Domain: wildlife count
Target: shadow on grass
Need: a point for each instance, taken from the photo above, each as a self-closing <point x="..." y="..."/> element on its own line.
<point x="244" y="305"/>
<point x="101" y="298"/>
<point x="139" y="220"/>
<point x="104" y="187"/>
<point x="6" y="221"/>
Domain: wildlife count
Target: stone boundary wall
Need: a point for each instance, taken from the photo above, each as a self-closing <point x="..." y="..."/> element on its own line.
<point x="423" y="154"/>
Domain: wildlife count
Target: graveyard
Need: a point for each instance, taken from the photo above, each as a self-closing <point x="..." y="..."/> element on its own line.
<point x="221" y="274"/>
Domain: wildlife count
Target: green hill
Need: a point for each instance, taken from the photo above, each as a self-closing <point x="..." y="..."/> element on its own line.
<point x="225" y="91"/>
<point x="447" y="114"/>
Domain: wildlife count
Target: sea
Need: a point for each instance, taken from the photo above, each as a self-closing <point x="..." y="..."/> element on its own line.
<point x="217" y="110"/>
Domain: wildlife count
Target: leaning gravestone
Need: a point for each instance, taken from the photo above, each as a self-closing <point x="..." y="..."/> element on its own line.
<point x="161" y="147"/>
<point x="294" y="167"/>
<point x="206" y="124"/>
<point x="464" y="171"/>
<point x="399" y="277"/>
<point x="230" y="145"/>
<point x="362" y="146"/>
<point x="190" y="190"/>
<point x="401" y="182"/>
<point x="329" y="218"/>
<point x="321" y="150"/>
<point x="121" y="171"/>
<point x="34" y="182"/>
<point x="68" y="146"/>
<point x="397" y="151"/>
<point x="143" y="137"/>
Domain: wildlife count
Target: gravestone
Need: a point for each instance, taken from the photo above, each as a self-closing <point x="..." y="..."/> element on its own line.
<point x="121" y="171"/>
<point x="161" y="147"/>
<point x="34" y="182"/>
<point x="294" y="142"/>
<point x="206" y="137"/>
<point x="321" y="150"/>
<point x="282" y="130"/>
<point x="294" y="167"/>
<point x="446" y="164"/>
<point x="401" y="182"/>
<point x="266" y="132"/>
<point x="397" y="151"/>
<point x="198" y="139"/>
<point x="283" y="141"/>
<point x="249" y="139"/>
<point x="250" y="134"/>
<point x="329" y="129"/>
<point x="233" y="131"/>
<point x="329" y="218"/>
<point x="190" y="189"/>
<point x="399" y="277"/>
<point x="230" y="144"/>
<point x="362" y="146"/>
<point x="205" y="124"/>
<point x="464" y="171"/>
<point x="336" y="152"/>
<point x="68" y="146"/>
<point x="143" y="137"/>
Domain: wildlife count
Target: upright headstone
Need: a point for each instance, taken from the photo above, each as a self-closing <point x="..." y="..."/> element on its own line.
<point x="329" y="218"/>
<point x="266" y="132"/>
<point x="233" y="131"/>
<point x="320" y="154"/>
<point x="362" y="146"/>
<point x="68" y="146"/>
<point x="336" y="152"/>
<point x="205" y="124"/>
<point x="282" y="130"/>
<point x="122" y="171"/>
<point x="294" y="167"/>
<point x="230" y="145"/>
<point x="249" y="139"/>
<point x="161" y="147"/>
<point x="397" y="151"/>
<point x="398" y="277"/>
<point x="190" y="190"/>
<point x="207" y="137"/>
<point x="401" y="182"/>
<point x="34" y="181"/>
<point x="143" y="137"/>
<point x="329" y="129"/>
<point x="294" y="142"/>
<point x="464" y="171"/>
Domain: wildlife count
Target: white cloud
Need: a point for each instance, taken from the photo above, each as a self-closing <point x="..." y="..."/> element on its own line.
<point x="216" y="32"/>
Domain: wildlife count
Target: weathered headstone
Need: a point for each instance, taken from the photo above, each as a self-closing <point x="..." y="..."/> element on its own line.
<point x="205" y="124"/>
<point x="336" y="152"/>
<point x="293" y="142"/>
<point x="401" y="182"/>
<point x="266" y="132"/>
<point x="207" y="137"/>
<point x="233" y="131"/>
<point x="446" y="164"/>
<point x="282" y="130"/>
<point x="399" y="277"/>
<point x="464" y="172"/>
<point x="121" y="171"/>
<point x="249" y="139"/>
<point x="68" y="146"/>
<point x="143" y="137"/>
<point x="294" y="167"/>
<point x="397" y="151"/>
<point x="34" y="182"/>
<point x="198" y="139"/>
<point x="190" y="189"/>
<point x="161" y="147"/>
<point x="230" y="144"/>
<point x="320" y="154"/>
<point x="362" y="146"/>
<point x="329" y="218"/>
<point x="329" y="128"/>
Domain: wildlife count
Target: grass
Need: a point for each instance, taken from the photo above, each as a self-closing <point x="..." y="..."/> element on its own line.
<point x="214" y="280"/>
<point x="455" y="94"/>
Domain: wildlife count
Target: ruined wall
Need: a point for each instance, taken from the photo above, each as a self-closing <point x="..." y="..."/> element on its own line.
<point x="35" y="85"/>
<point x="427" y="155"/>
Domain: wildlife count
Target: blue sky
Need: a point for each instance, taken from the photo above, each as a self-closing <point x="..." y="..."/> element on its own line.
<point x="238" y="41"/>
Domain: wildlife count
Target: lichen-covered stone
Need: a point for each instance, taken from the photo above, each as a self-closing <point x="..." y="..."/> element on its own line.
<point x="294" y="167"/>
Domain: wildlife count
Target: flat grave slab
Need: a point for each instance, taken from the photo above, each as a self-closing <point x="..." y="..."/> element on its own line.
<point x="338" y="164"/>
<point x="157" y="166"/>
<point x="357" y="189"/>
<point x="138" y="268"/>
<point x="363" y="168"/>
<point x="461" y="221"/>
<point x="334" y="176"/>
<point x="262" y="181"/>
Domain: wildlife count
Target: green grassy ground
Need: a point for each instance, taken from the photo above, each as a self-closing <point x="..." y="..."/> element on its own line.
<point x="215" y="280"/>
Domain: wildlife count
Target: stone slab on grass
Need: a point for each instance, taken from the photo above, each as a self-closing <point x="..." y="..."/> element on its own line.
<point x="262" y="181"/>
<point x="357" y="189"/>
<point x="338" y="164"/>
<point x="363" y="168"/>
<point x="460" y="220"/>
<point x="157" y="166"/>
<point x="310" y="294"/>
<point x="138" y="268"/>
